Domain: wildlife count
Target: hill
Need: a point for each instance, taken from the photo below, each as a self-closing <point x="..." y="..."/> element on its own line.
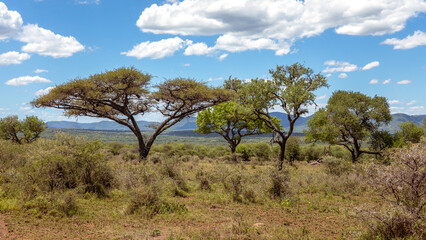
<point x="189" y="124"/>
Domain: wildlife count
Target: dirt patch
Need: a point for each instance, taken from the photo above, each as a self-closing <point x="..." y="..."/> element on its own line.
<point x="3" y="229"/>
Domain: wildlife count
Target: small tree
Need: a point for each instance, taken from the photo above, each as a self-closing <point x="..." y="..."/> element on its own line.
<point x="293" y="149"/>
<point x="25" y="131"/>
<point x="409" y="132"/>
<point x="349" y="119"/>
<point x="291" y="88"/>
<point x="123" y="94"/>
<point x="232" y="121"/>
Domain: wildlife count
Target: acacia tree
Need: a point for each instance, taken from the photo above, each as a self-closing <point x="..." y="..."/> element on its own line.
<point x="232" y="121"/>
<point x="351" y="119"/>
<point x="291" y="88"/>
<point x="25" y="131"/>
<point x="123" y="94"/>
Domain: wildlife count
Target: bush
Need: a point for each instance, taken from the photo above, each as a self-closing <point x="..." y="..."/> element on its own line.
<point x="403" y="187"/>
<point x="292" y="150"/>
<point x="245" y="150"/>
<point x="279" y="183"/>
<point x="336" y="166"/>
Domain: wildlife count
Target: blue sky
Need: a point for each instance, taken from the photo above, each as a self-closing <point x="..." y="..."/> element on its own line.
<point x="371" y="46"/>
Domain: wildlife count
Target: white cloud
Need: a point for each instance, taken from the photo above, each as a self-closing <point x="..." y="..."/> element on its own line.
<point x="404" y="82"/>
<point x="25" y="80"/>
<point x="396" y="109"/>
<point x="47" y="43"/>
<point x="24" y="108"/>
<point x="40" y="70"/>
<point x="374" y="81"/>
<point x="411" y="102"/>
<point x="85" y="2"/>
<point x="276" y="24"/>
<point x="186" y="64"/>
<point x="223" y="56"/>
<point x="42" y="92"/>
<point x="394" y="102"/>
<point x="13" y="58"/>
<point x="328" y="75"/>
<point x="156" y="50"/>
<point x="411" y="41"/>
<point x="343" y="75"/>
<point x="416" y="108"/>
<point x="337" y="66"/>
<point x="232" y="43"/>
<point x="387" y="81"/>
<point x="321" y="97"/>
<point x="371" y="65"/>
<point x="10" y="22"/>
<point x="214" y="79"/>
<point x="198" y="49"/>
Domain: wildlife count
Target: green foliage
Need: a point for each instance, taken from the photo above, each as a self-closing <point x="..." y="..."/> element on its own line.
<point x="409" y="132"/>
<point x="122" y="94"/>
<point x="292" y="88"/>
<point x="232" y="121"/>
<point x="25" y="131"/>
<point x="336" y="166"/>
<point x="349" y="119"/>
<point x="293" y="149"/>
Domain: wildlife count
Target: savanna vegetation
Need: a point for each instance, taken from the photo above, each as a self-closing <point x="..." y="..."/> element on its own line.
<point x="346" y="179"/>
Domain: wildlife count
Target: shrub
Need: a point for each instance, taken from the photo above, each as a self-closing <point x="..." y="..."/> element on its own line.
<point x="292" y="150"/>
<point x="402" y="185"/>
<point x="245" y="151"/>
<point x="336" y="166"/>
<point x="279" y="183"/>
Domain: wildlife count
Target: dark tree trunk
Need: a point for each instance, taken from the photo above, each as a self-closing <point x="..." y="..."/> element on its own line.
<point x="282" y="154"/>
<point x="233" y="148"/>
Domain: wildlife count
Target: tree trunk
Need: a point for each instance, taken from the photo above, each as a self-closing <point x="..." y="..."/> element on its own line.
<point x="233" y="148"/>
<point x="143" y="150"/>
<point x="282" y="154"/>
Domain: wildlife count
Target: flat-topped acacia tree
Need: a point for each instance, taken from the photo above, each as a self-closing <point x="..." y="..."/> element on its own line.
<point x="123" y="94"/>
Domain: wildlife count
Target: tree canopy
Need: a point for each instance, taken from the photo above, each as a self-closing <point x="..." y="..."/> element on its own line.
<point x="25" y="131"/>
<point x="123" y="94"/>
<point x="291" y="88"/>
<point x="350" y="119"/>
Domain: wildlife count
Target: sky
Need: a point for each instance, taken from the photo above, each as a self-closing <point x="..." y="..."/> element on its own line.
<point x="377" y="47"/>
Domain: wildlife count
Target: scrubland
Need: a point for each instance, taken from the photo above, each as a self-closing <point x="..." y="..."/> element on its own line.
<point x="69" y="187"/>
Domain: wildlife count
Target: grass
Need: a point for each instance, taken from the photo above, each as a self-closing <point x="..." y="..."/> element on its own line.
<point x="180" y="196"/>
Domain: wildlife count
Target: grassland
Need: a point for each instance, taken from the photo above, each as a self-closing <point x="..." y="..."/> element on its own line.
<point x="71" y="188"/>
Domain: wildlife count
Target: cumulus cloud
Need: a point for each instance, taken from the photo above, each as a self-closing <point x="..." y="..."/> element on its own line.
<point x="13" y="58"/>
<point x="42" y="92"/>
<point x="416" y="108"/>
<point x="394" y="102"/>
<point x="411" y="102"/>
<point x="38" y="40"/>
<point x="186" y="64"/>
<point x="411" y="41"/>
<point x="156" y="50"/>
<point x="343" y="75"/>
<point x="24" y="108"/>
<point x="275" y="24"/>
<point x="214" y="79"/>
<point x="337" y="66"/>
<point x="371" y="65"/>
<point x="404" y="82"/>
<point x="40" y="70"/>
<point x="374" y="81"/>
<point x="46" y="43"/>
<point x="10" y="22"/>
<point x="387" y="81"/>
<point x="223" y="56"/>
<point x="25" y="80"/>
<point x="198" y="49"/>
<point x="321" y="97"/>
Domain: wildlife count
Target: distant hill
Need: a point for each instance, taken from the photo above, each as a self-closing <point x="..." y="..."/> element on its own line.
<point x="190" y="123"/>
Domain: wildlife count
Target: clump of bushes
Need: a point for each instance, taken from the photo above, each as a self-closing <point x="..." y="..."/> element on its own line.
<point x="402" y="185"/>
<point x="336" y="166"/>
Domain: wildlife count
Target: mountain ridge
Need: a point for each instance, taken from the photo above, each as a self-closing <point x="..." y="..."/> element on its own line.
<point x="190" y="123"/>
